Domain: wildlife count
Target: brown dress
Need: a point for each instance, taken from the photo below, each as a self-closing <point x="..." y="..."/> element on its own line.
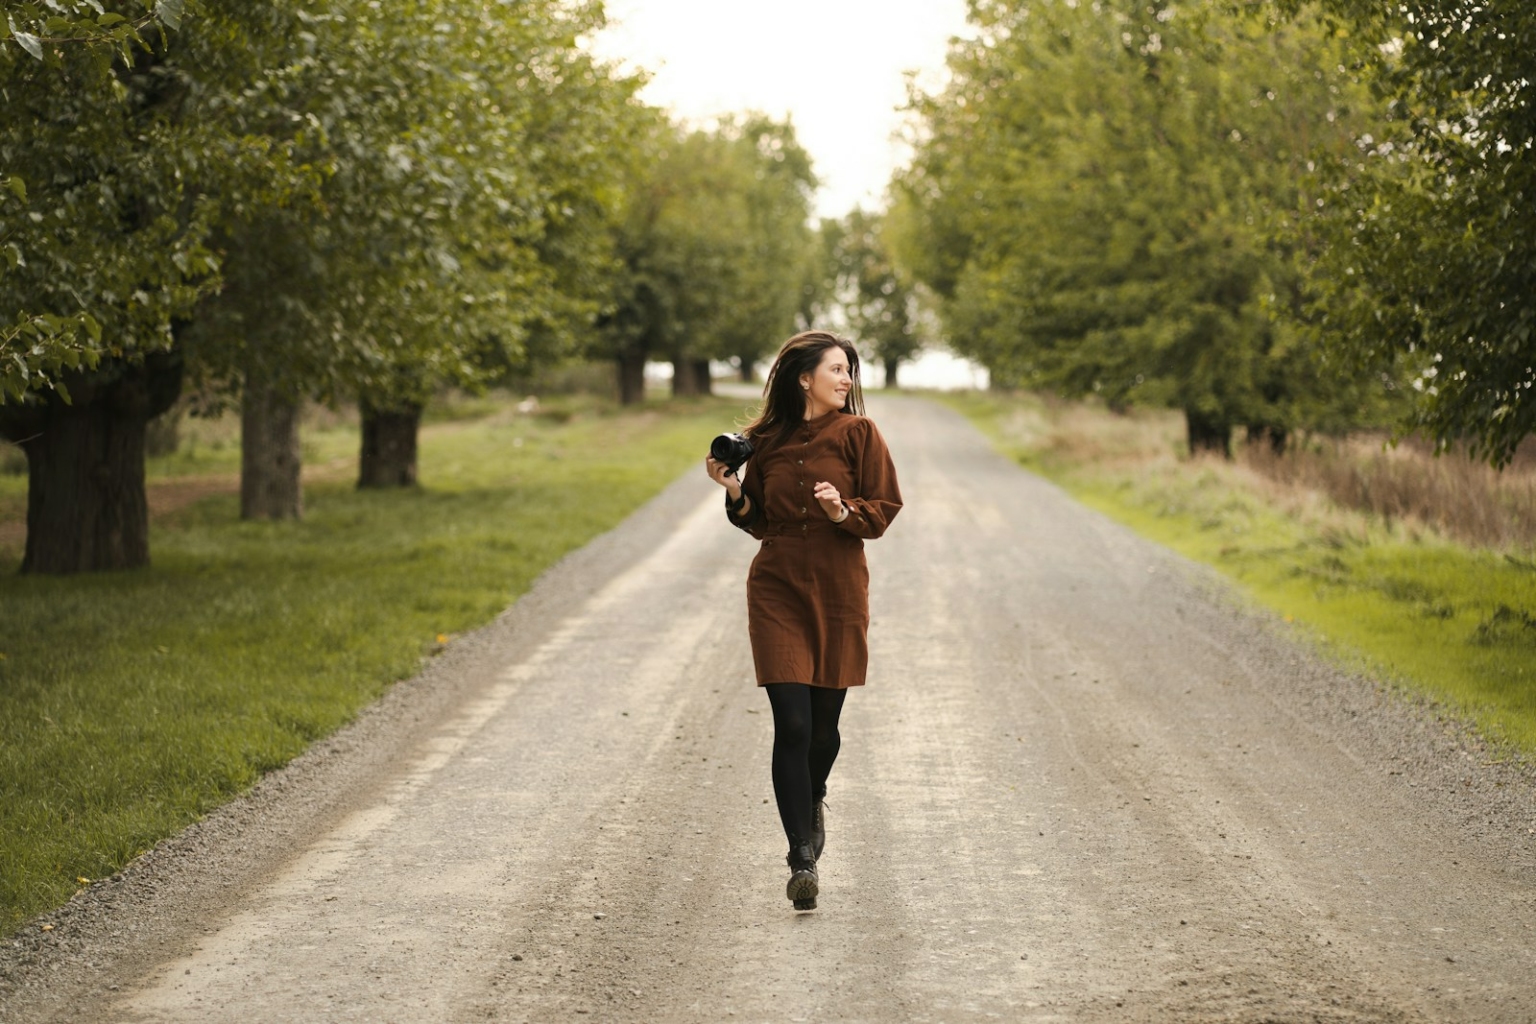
<point x="808" y="589"/>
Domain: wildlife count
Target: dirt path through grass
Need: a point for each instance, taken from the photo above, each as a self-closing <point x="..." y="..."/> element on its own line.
<point x="1082" y="786"/>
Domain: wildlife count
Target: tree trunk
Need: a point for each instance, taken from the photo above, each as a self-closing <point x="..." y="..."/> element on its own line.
<point x="162" y="436"/>
<point x="1208" y="433"/>
<point x="691" y="377"/>
<point x="269" y="454"/>
<point x="891" y="365"/>
<point x="683" y="380"/>
<point x="86" y="509"/>
<point x="631" y="378"/>
<point x="389" y="446"/>
<point x="1267" y="433"/>
<point x="747" y="367"/>
<point x="703" y="383"/>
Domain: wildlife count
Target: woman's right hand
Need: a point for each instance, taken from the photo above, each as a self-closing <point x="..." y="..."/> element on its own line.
<point x="720" y="473"/>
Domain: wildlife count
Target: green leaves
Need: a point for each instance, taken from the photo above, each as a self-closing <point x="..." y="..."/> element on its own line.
<point x="35" y="350"/>
<point x="169" y="11"/>
<point x="714" y="243"/>
<point x="103" y="219"/>
<point x="339" y="191"/>
<point x="1097" y="195"/>
<point x="863" y="282"/>
<point x="29" y="42"/>
<point x="49" y="30"/>
<point x="1426" y="237"/>
<point x="457" y="222"/>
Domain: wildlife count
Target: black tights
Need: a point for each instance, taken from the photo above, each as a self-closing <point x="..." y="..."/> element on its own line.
<point x="805" y="743"/>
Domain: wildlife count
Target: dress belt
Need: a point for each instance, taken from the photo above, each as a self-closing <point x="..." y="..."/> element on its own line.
<point x="802" y="528"/>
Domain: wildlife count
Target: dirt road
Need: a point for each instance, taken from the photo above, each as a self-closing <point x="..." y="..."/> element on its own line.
<point x="1082" y="786"/>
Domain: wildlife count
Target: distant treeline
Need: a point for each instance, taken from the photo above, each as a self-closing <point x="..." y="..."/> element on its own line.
<point x="1273" y="216"/>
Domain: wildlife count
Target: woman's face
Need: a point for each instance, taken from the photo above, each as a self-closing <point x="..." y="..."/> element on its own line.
<point x="827" y="387"/>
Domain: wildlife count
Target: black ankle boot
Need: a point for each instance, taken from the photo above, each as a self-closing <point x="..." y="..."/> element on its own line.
<point x="819" y="828"/>
<point x="803" y="884"/>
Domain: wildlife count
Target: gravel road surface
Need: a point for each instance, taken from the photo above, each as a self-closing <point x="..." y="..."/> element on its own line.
<point x="1083" y="785"/>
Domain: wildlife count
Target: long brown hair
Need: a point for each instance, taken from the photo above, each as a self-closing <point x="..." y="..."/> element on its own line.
<point x="784" y="399"/>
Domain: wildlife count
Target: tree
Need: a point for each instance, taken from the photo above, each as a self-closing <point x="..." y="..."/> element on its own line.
<point x="714" y="242"/>
<point x="1428" y="232"/>
<point x="778" y="198"/>
<point x="469" y="166"/>
<point x="39" y="342"/>
<point x="1095" y="197"/>
<point x="106" y="228"/>
<point x="876" y="299"/>
<point x="284" y="200"/>
<point x="543" y="139"/>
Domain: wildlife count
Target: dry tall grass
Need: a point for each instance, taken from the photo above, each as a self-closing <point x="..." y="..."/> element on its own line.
<point x="1404" y="485"/>
<point x="1450" y="493"/>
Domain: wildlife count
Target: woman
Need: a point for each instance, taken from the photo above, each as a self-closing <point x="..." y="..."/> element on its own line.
<point x="819" y="484"/>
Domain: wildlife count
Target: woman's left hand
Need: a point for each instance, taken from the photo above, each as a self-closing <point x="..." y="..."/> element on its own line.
<point x="830" y="500"/>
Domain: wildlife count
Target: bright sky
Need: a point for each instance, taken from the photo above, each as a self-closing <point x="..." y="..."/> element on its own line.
<point x="833" y="66"/>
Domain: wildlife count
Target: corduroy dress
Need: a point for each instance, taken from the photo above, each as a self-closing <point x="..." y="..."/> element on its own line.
<point x="808" y="589"/>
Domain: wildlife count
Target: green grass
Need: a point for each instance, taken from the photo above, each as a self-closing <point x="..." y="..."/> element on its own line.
<point x="1450" y="622"/>
<point x="131" y="703"/>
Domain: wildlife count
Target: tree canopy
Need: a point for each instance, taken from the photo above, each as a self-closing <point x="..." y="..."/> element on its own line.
<point x="714" y="240"/>
<point x="1428" y="232"/>
<point x="102" y="232"/>
<point x="872" y="292"/>
<point x="1309" y="213"/>
<point x="335" y="189"/>
<point x="1097" y="193"/>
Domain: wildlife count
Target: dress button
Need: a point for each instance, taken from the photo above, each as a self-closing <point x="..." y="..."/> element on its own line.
<point x="801" y="462"/>
<point x="802" y="510"/>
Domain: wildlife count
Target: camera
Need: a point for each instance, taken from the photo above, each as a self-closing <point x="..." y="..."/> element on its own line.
<point x="732" y="450"/>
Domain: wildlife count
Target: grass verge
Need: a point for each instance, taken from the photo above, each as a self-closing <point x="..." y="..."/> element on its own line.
<point x="1449" y="621"/>
<point x="131" y="703"/>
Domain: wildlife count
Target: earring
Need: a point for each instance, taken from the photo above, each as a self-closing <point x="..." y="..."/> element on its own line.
<point x="805" y="387"/>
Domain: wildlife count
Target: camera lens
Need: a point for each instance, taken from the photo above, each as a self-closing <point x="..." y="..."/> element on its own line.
<point x="730" y="449"/>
